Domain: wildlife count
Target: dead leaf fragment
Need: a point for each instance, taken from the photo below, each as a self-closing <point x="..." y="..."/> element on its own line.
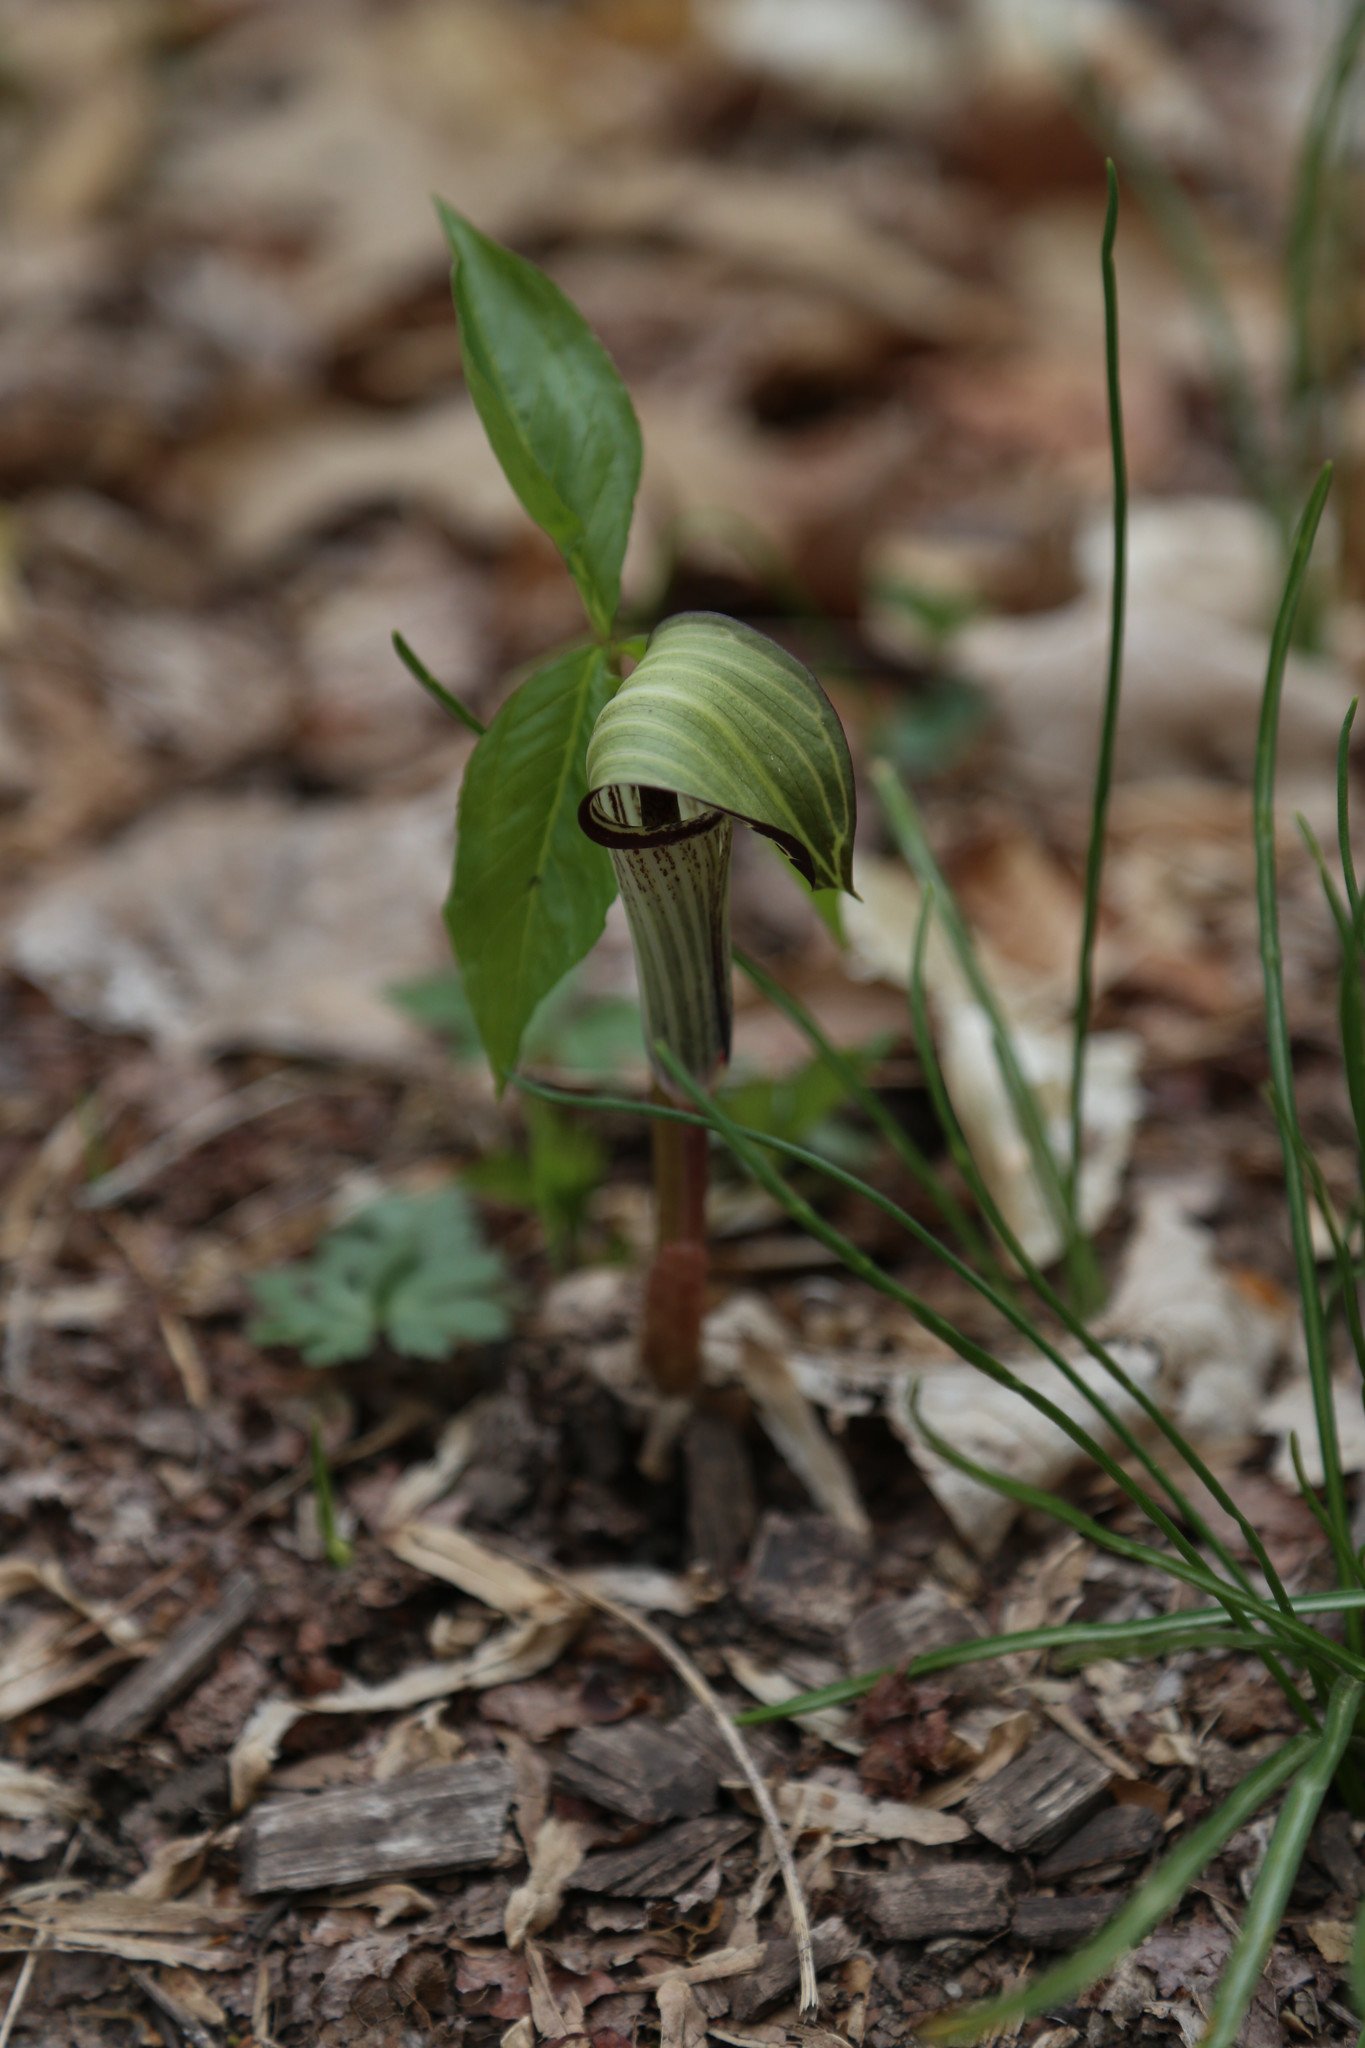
<point x="555" y="1855"/>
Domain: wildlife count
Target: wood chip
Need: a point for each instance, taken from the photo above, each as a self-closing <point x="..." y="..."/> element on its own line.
<point x="775" y="1977"/>
<point x="444" y="1819"/>
<point x="1037" y="1800"/>
<point x="667" y="1863"/>
<point x="893" y="1631"/>
<point x="947" y="1898"/>
<point x="139" y="1698"/>
<point x="804" y="1576"/>
<point x="720" y="1493"/>
<point x="1115" y="1835"/>
<point x="639" y="1769"/>
<point x="1064" y="1922"/>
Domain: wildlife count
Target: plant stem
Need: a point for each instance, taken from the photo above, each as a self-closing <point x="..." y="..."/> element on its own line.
<point x="675" y="1292"/>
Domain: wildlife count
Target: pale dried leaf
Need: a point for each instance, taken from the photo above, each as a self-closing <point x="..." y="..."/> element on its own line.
<point x="556" y="1853"/>
<point x="682" y="2023"/>
<point x="1110" y="1106"/>
<point x="999" y="1430"/>
<point x="807" y="1805"/>
<point x="37" y="1795"/>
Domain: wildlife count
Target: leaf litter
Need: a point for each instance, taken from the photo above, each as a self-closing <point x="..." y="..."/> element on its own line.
<point x="236" y="453"/>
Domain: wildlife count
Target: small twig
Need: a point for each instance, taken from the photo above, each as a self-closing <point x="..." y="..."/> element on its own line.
<point x="37" y="1945"/>
<point x="734" y="1741"/>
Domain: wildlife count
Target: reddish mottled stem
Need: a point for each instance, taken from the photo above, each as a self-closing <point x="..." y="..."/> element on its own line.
<point x="675" y="1293"/>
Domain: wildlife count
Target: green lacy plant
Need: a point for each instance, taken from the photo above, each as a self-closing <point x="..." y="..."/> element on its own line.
<point x="589" y="781"/>
<point x="410" y="1270"/>
<point x="1190" y="1513"/>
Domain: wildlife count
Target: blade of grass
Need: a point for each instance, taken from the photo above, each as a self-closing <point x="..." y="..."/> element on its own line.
<point x="1235" y="1598"/>
<point x="336" y="1549"/>
<point x="1042" y="1501"/>
<point x="1104" y="766"/>
<point x="1148" y="1906"/>
<point x="871" y="1104"/>
<point x="1281" y="1063"/>
<point x="1348" y="865"/>
<point x="447" y="700"/>
<point x="1308" y="211"/>
<point x="1160" y="1635"/>
<point x="1061" y="1308"/>
<point x="1270" y="1895"/>
<point x="1078" y="1255"/>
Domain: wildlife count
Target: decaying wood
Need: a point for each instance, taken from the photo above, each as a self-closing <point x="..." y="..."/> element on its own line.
<point x="804" y="1576"/>
<point x="892" y="1631"/>
<point x="720" y="1493"/>
<point x="946" y="1898"/>
<point x="140" y="1697"/>
<point x="775" y="1978"/>
<point x="698" y="1730"/>
<point x="444" y="1819"/>
<point x="1041" y="1797"/>
<point x="639" y="1769"/>
<point x="1065" y="1921"/>
<point x="666" y="1863"/>
<point x="1114" y="1835"/>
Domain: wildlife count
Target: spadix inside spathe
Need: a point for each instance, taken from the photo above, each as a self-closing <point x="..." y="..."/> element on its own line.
<point x="716" y="723"/>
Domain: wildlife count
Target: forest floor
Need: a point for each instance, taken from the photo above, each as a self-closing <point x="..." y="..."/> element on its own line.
<point x="458" y="1782"/>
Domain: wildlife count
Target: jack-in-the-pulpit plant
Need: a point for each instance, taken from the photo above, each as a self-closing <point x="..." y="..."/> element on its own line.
<point x="588" y="781"/>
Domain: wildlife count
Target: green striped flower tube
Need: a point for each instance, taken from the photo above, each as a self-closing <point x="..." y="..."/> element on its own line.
<point x="715" y="723"/>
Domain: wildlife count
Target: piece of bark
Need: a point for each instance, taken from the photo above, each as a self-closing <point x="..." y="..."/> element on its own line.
<point x="1065" y="1921"/>
<point x="720" y="1493"/>
<point x="1114" y="1835"/>
<point x="776" y="1976"/>
<point x="892" y="1631"/>
<point x="639" y="1769"/>
<point x="448" y="1818"/>
<point x="804" y="1576"/>
<point x="942" y="1898"/>
<point x="1040" y="1798"/>
<point x="666" y="1863"/>
<point x="697" y="1728"/>
<point x="141" y="1696"/>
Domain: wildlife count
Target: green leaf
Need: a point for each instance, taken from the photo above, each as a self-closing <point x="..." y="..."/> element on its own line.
<point x="531" y="893"/>
<point x="719" y="714"/>
<point x="412" y="1269"/>
<point x="553" y="406"/>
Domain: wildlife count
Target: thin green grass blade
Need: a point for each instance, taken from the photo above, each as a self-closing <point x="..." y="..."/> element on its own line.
<point x="1307" y="214"/>
<point x="1061" y="1308"/>
<point x="1160" y="1635"/>
<point x="1235" y="1599"/>
<point x="1281" y="1062"/>
<point x="1083" y="1642"/>
<point x="1179" y="1567"/>
<point x="1148" y="1906"/>
<point x="1041" y="1501"/>
<point x="872" y="1106"/>
<point x="1348" y="865"/>
<point x="1104" y="766"/>
<point x="1079" y="1258"/>
<point x="1266" y="1906"/>
<point x="447" y="699"/>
